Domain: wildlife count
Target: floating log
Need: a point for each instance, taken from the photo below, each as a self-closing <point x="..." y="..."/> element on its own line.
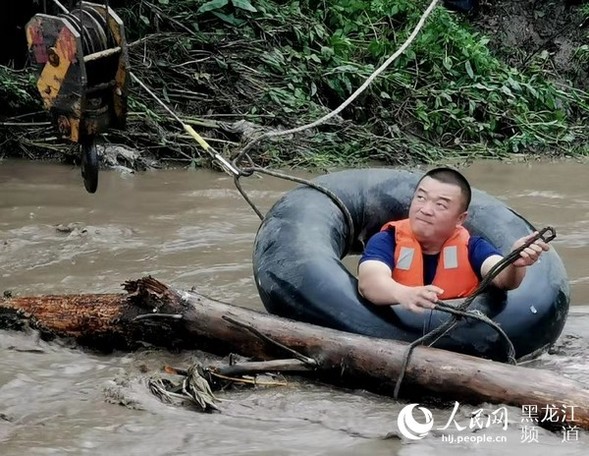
<point x="152" y="312"/>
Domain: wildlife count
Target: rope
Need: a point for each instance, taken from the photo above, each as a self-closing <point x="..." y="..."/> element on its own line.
<point x="352" y="97"/>
<point x="61" y="7"/>
<point x="338" y="202"/>
<point x="227" y="167"/>
<point x="462" y="310"/>
<point x="94" y="38"/>
<point x="236" y="172"/>
<point x="244" y="152"/>
<point x="106" y="12"/>
<point x="233" y="168"/>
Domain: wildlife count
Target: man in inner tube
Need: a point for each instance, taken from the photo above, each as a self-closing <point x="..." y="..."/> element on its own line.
<point x="430" y="255"/>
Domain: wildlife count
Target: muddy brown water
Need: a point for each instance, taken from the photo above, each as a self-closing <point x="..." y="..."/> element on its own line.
<point x="191" y="228"/>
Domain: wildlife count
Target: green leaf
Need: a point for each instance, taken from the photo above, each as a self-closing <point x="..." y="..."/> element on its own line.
<point x="469" y="69"/>
<point x="471" y="106"/>
<point x="447" y="63"/>
<point x="514" y="84"/>
<point x="533" y="91"/>
<point x="314" y="58"/>
<point x="327" y="52"/>
<point x="164" y="2"/>
<point x="344" y="69"/>
<point x="244" y="5"/>
<point x="569" y="137"/>
<point x="446" y="96"/>
<point x="506" y="91"/>
<point x="212" y="5"/>
<point x="229" y="18"/>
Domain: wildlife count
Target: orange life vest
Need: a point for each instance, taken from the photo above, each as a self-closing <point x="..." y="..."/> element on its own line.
<point x="454" y="273"/>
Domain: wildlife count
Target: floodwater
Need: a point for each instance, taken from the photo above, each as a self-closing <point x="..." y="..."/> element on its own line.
<point x="191" y="228"/>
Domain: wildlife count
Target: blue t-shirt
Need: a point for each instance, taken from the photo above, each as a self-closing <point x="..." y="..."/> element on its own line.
<point x="381" y="247"/>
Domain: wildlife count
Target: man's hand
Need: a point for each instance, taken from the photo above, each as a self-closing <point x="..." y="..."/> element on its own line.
<point x="513" y="275"/>
<point x="530" y="254"/>
<point x="417" y="299"/>
<point x="376" y="285"/>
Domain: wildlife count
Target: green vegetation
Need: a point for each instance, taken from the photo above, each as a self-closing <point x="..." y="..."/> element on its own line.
<point x="280" y="64"/>
<point x="17" y="91"/>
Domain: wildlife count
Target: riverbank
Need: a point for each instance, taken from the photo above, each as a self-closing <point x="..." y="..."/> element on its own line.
<point x="508" y="79"/>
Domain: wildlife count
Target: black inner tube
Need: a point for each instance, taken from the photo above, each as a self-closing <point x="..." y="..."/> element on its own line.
<point x="300" y="275"/>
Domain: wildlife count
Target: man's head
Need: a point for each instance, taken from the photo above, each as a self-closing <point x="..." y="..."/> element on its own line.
<point x="439" y="204"/>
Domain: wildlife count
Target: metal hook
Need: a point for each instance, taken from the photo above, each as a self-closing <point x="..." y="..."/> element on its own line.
<point x="547" y="238"/>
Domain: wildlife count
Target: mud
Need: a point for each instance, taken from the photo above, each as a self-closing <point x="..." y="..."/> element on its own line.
<point x="548" y="33"/>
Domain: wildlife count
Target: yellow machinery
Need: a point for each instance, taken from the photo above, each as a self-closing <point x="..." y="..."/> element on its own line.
<point x="83" y="75"/>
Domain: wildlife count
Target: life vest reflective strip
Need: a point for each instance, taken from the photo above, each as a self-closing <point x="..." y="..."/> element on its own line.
<point x="454" y="273"/>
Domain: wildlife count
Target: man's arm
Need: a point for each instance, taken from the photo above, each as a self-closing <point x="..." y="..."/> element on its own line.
<point x="508" y="279"/>
<point x="376" y="284"/>
<point x="513" y="275"/>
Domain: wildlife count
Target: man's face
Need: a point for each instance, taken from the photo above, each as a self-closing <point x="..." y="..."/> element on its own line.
<point x="436" y="210"/>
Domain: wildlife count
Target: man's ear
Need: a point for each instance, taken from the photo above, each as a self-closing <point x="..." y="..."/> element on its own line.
<point x="461" y="218"/>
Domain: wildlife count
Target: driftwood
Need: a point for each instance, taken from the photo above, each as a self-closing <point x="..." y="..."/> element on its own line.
<point x="151" y="312"/>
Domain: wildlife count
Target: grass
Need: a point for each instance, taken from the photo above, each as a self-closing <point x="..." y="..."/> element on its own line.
<point x="283" y="63"/>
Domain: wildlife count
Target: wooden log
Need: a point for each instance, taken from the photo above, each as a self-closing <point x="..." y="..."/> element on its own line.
<point x="154" y="313"/>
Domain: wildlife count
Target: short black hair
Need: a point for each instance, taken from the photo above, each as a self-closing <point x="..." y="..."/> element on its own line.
<point x="451" y="176"/>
